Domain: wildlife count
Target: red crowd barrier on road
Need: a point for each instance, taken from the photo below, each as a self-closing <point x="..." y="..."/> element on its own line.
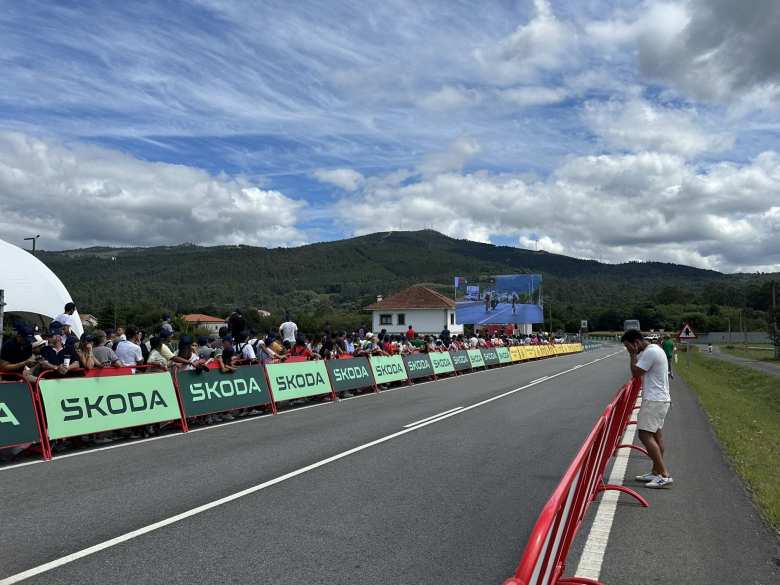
<point x="544" y="558"/>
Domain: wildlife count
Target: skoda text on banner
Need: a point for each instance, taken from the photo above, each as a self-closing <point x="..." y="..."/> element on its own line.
<point x="214" y="391"/>
<point x="388" y="369"/>
<point x="350" y="374"/>
<point x="81" y="406"/>
<point x="490" y="357"/>
<point x="503" y="355"/>
<point x="442" y="362"/>
<point x="17" y="415"/>
<point x="298" y="380"/>
<point x="476" y="359"/>
<point x="460" y="359"/>
<point x="418" y="365"/>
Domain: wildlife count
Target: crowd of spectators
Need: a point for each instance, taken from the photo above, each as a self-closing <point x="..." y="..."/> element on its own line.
<point x="31" y="351"/>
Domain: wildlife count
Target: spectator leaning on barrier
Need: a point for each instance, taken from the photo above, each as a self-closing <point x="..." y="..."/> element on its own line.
<point x="228" y="356"/>
<point x="244" y="350"/>
<point x="648" y="362"/>
<point x="129" y="350"/>
<point x="104" y="355"/>
<point x="85" y="352"/>
<point x="156" y="358"/>
<point x="16" y="352"/>
<point x="58" y="356"/>
<point x="33" y="367"/>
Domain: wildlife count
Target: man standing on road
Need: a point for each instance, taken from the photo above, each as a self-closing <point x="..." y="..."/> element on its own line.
<point x="668" y="346"/>
<point x="648" y="361"/>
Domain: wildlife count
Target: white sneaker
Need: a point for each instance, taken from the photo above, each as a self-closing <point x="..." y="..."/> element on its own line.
<point x="649" y="476"/>
<point x="659" y="482"/>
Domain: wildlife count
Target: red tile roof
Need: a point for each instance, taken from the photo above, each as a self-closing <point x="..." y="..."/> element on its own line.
<point x="200" y="318"/>
<point x="415" y="297"/>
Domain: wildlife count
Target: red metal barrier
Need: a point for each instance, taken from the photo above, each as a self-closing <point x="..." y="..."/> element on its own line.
<point x="45" y="447"/>
<point x="544" y="558"/>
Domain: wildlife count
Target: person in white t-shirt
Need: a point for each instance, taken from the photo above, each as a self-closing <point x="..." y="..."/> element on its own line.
<point x="67" y="318"/>
<point x="129" y="350"/>
<point x="288" y="330"/>
<point x="648" y="362"/>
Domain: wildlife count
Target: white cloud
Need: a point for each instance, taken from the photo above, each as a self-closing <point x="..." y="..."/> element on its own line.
<point x="533" y="95"/>
<point x="449" y="98"/>
<point x="539" y="45"/>
<point x="646" y="206"/>
<point x="453" y="159"/>
<point x="79" y="195"/>
<point x="347" y="179"/>
<point x="636" y="124"/>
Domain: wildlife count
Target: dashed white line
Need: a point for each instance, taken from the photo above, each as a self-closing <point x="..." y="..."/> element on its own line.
<point x="67" y="559"/>
<point x="422" y="420"/>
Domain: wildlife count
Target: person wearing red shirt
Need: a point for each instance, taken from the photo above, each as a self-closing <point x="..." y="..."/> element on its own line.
<point x="410" y="333"/>
<point x="300" y="349"/>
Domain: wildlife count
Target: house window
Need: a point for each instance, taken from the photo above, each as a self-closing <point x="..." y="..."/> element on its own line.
<point x="452" y="318"/>
<point x="401" y="318"/>
<point x="385" y="319"/>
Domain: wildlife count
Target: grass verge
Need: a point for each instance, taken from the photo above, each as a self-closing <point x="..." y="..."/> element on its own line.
<point x="762" y="352"/>
<point x="743" y="406"/>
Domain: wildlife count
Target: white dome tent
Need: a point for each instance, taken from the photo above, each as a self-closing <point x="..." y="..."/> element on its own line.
<point x="33" y="293"/>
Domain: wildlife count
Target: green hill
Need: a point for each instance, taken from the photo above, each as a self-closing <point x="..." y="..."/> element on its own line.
<point x="336" y="279"/>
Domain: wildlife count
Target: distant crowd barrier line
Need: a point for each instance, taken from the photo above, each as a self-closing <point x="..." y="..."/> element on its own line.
<point x="544" y="558"/>
<point x="112" y="399"/>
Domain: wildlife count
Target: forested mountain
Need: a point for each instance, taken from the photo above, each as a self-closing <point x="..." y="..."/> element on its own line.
<point x="334" y="280"/>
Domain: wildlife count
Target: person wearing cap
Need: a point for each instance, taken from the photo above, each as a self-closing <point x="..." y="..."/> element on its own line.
<point x="33" y="367"/>
<point x="16" y="352"/>
<point x="166" y="352"/>
<point x="58" y="356"/>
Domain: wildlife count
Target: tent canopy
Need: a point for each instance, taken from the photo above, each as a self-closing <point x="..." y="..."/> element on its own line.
<point x="33" y="293"/>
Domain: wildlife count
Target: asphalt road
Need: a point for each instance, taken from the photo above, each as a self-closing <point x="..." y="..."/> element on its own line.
<point x="452" y="501"/>
<point x="773" y="369"/>
<point x="474" y="312"/>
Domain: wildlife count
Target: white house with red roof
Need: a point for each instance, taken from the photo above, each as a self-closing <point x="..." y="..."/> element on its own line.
<point x="426" y="310"/>
<point x="200" y="321"/>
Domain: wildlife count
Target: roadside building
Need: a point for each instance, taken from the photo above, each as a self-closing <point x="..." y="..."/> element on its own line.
<point x="426" y="310"/>
<point x="200" y="321"/>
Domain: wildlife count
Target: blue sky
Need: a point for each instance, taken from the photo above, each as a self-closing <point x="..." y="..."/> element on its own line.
<point x="610" y="130"/>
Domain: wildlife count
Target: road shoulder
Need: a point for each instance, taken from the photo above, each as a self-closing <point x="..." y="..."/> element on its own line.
<point x="705" y="529"/>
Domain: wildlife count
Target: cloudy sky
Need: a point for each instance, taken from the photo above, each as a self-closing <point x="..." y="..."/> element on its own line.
<point x="612" y="130"/>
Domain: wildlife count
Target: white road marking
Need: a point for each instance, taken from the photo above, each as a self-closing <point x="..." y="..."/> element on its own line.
<point x="422" y="420"/>
<point x="135" y="442"/>
<point x="67" y="559"/>
<point x="544" y="378"/>
<point x="598" y="537"/>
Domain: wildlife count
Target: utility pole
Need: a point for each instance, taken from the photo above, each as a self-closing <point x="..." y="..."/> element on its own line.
<point x="2" y="305"/>
<point x="33" y="240"/>
<point x="776" y="334"/>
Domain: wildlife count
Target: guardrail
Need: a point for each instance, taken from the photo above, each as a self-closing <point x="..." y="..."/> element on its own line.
<point x="544" y="558"/>
<point x="87" y="402"/>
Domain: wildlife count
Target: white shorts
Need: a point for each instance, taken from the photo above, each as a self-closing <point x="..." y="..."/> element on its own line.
<point x="651" y="415"/>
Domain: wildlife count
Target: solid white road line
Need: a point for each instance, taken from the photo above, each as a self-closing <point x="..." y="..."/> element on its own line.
<point x="542" y="378"/>
<point x="134" y="442"/>
<point x="232" y="497"/>
<point x="422" y="420"/>
<point x="598" y="537"/>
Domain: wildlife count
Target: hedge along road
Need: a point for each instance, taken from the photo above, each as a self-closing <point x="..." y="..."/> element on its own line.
<point x="453" y="496"/>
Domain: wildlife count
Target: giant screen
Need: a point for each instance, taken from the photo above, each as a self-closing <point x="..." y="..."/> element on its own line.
<point x="500" y="299"/>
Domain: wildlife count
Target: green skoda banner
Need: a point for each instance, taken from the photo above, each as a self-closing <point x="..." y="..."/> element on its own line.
<point x="350" y="374"/>
<point x="17" y="415"/>
<point x="475" y="357"/>
<point x="81" y="406"/>
<point x="460" y="359"/>
<point x="298" y="380"/>
<point x="214" y="391"/>
<point x="490" y="356"/>
<point x="504" y="356"/>
<point x="388" y="369"/>
<point x="418" y="365"/>
<point x="442" y="362"/>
